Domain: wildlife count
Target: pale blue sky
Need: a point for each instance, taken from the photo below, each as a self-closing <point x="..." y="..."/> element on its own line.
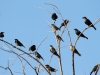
<point x="20" y="19"/>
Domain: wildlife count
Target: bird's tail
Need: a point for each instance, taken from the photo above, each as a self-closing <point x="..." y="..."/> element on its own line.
<point x="77" y="52"/>
<point x="24" y="46"/>
<point x="90" y="73"/>
<point x="58" y="56"/>
<point x="86" y="37"/>
<point x="93" y="27"/>
<point x="60" y="27"/>
<point x="62" y="40"/>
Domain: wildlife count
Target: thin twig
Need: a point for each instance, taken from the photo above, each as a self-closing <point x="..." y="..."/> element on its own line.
<point x="42" y="42"/>
<point x="51" y="58"/>
<point x="43" y="9"/>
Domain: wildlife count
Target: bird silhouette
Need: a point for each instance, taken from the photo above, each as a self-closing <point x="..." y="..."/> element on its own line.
<point x="1" y="34"/>
<point x="18" y="43"/>
<point x="53" y="50"/>
<point x="38" y="55"/>
<point x="32" y="48"/>
<point x="74" y="50"/>
<point x="88" y="22"/>
<point x="79" y="33"/>
<point x="54" y="16"/>
<point x="50" y="68"/>
<point x="65" y="22"/>
<point x="95" y="69"/>
<point x="59" y="38"/>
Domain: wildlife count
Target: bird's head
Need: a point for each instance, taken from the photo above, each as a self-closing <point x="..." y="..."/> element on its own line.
<point x="50" y="45"/>
<point x="66" y="21"/>
<point x="57" y="35"/>
<point x="33" y="46"/>
<point x="75" y="29"/>
<point x="2" y="32"/>
<point x="84" y="17"/>
<point x="47" y="65"/>
<point x="16" y="39"/>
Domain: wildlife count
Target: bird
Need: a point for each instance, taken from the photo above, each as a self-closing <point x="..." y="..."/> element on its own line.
<point x="59" y="38"/>
<point x="38" y="55"/>
<point x="95" y="69"/>
<point x="64" y="23"/>
<point x="53" y="50"/>
<point x="32" y="48"/>
<point x="54" y="16"/>
<point x="88" y="22"/>
<point x="54" y="27"/>
<point x="50" y="68"/>
<point x="79" y="33"/>
<point x="1" y="34"/>
<point x="74" y="50"/>
<point x="18" y="43"/>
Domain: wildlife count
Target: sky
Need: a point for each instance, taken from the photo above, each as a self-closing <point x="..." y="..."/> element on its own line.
<point x="22" y="20"/>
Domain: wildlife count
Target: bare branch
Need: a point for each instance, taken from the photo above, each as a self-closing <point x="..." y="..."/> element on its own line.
<point x="25" y="53"/>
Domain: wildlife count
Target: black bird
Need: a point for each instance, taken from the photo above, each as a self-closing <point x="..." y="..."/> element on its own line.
<point x="59" y="38"/>
<point x="38" y="55"/>
<point x="95" y="69"/>
<point x="50" y="68"/>
<point x="65" y="22"/>
<point x="1" y="34"/>
<point x="53" y="50"/>
<point x="32" y="48"/>
<point x="18" y="43"/>
<point x="79" y="33"/>
<point x="88" y="22"/>
<point x="54" y="16"/>
<point x="75" y="50"/>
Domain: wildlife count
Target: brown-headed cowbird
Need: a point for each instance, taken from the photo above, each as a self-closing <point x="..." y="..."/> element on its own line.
<point x="59" y="38"/>
<point x="18" y="43"/>
<point x="74" y="50"/>
<point x="53" y="50"/>
<point x="65" y="22"/>
<point x="50" y="68"/>
<point x="95" y="69"/>
<point x="32" y="48"/>
<point x="79" y="33"/>
<point x="54" y="16"/>
<point x="88" y="22"/>
<point x="1" y="34"/>
<point x="38" y="55"/>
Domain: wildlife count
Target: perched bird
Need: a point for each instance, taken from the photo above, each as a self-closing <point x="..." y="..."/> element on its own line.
<point x="79" y="33"/>
<point x="32" y="48"/>
<point x="38" y="55"/>
<point x="59" y="38"/>
<point x="95" y="69"/>
<point x="74" y="50"/>
<point x="53" y="50"/>
<point x="50" y="68"/>
<point x="54" y="27"/>
<point x="1" y="34"/>
<point x="65" y="22"/>
<point x="54" y="16"/>
<point x="18" y="43"/>
<point x="88" y="22"/>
